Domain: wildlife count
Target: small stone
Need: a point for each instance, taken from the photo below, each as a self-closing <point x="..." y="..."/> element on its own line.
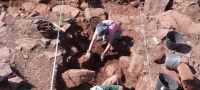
<point x="145" y="63"/>
<point x="26" y="56"/>
<point x="66" y="26"/>
<point x="18" y="48"/>
<point x="188" y="42"/>
<point x="74" y="49"/>
<point x="156" y="41"/>
<point x="36" y="21"/>
<point x="42" y="44"/>
<point x="159" y="58"/>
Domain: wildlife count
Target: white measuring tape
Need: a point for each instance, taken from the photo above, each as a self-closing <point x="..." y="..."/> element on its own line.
<point x="54" y="64"/>
<point x="145" y="44"/>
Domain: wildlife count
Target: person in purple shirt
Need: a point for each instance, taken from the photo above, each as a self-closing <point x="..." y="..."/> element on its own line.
<point x="109" y="31"/>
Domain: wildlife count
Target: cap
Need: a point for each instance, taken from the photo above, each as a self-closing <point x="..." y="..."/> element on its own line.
<point x="101" y="28"/>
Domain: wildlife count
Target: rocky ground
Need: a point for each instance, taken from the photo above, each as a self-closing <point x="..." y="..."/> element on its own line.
<point x="29" y="53"/>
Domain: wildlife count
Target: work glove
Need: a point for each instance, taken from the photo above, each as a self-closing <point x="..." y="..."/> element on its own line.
<point x="102" y="56"/>
<point x="88" y="54"/>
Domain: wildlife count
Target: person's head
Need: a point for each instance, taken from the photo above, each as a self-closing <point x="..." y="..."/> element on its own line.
<point x="101" y="29"/>
<point x="96" y="88"/>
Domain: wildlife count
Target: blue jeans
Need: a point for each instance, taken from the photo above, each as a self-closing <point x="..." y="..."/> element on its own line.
<point x="116" y="36"/>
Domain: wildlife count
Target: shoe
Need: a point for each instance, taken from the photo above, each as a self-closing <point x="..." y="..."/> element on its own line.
<point x="114" y="44"/>
<point x="99" y="39"/>
<point x="111" y="48"/>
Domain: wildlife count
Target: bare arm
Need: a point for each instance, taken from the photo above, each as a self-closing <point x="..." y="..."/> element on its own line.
<point x="109" y="44"/>
<point x="92" y="42"/>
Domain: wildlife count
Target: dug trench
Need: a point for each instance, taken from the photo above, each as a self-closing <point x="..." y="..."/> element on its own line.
<point x="74" y="59"/>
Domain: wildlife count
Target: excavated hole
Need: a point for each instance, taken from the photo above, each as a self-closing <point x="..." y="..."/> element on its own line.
<point x="70" y="59"/>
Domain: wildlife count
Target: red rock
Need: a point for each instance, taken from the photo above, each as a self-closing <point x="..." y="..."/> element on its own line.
<point x="124" y="61"/>
<point x="113" y="69"/>
<point x="160" y="57"/>
<point x="151" y="8"/>
<point x="35" y="7"/>
<point x="187" y="78"/>
<point x="179" y="21"/>
<point x="90" y="12"/>
<point x="86" y="62"/>
<point x="67" y="10"/>
<point x="136" y="65"/>
<point x="75" y="77"/>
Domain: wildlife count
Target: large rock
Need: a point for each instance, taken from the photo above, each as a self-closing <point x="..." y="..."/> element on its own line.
<point x="155" y="6"/>
<point x="75" y="77"/>
<point x="124" y="61"/>
<point x="14" y="82"/>
<point x="51" y="54"/>
<point x="13" y="11"/>
<point x="27" y="43"/>
<point x="187" y="77"/>
<point x="86" y="62"/>
<point x="113" y="69"/>
<point x="146" y="82"/>
<point x="23" y="23"/>
<point x="160" y="34"/>
<point x="35" y="7"/>
<point x="67" y="10"/>
<point x="90" y="12"/>
<point x="2" y="29"/>
<point x="136" y="65"/>
<point x="143" y="83"/>
<point x="124" y="19"/>
<point x="180" y="21"/>
<point x="4" y="52"/>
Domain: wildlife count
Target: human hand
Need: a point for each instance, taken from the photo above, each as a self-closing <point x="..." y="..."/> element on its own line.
<point x="103" y="56"/>
<point x="88" y="54"/>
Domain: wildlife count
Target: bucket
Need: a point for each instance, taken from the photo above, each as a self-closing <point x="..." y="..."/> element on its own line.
<point x="94" y="21"/>
<point x="173" y="38"/>
<point x="172" y="61"/>
<point x="165" y="82"/>
<point x="46" y="28"/>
